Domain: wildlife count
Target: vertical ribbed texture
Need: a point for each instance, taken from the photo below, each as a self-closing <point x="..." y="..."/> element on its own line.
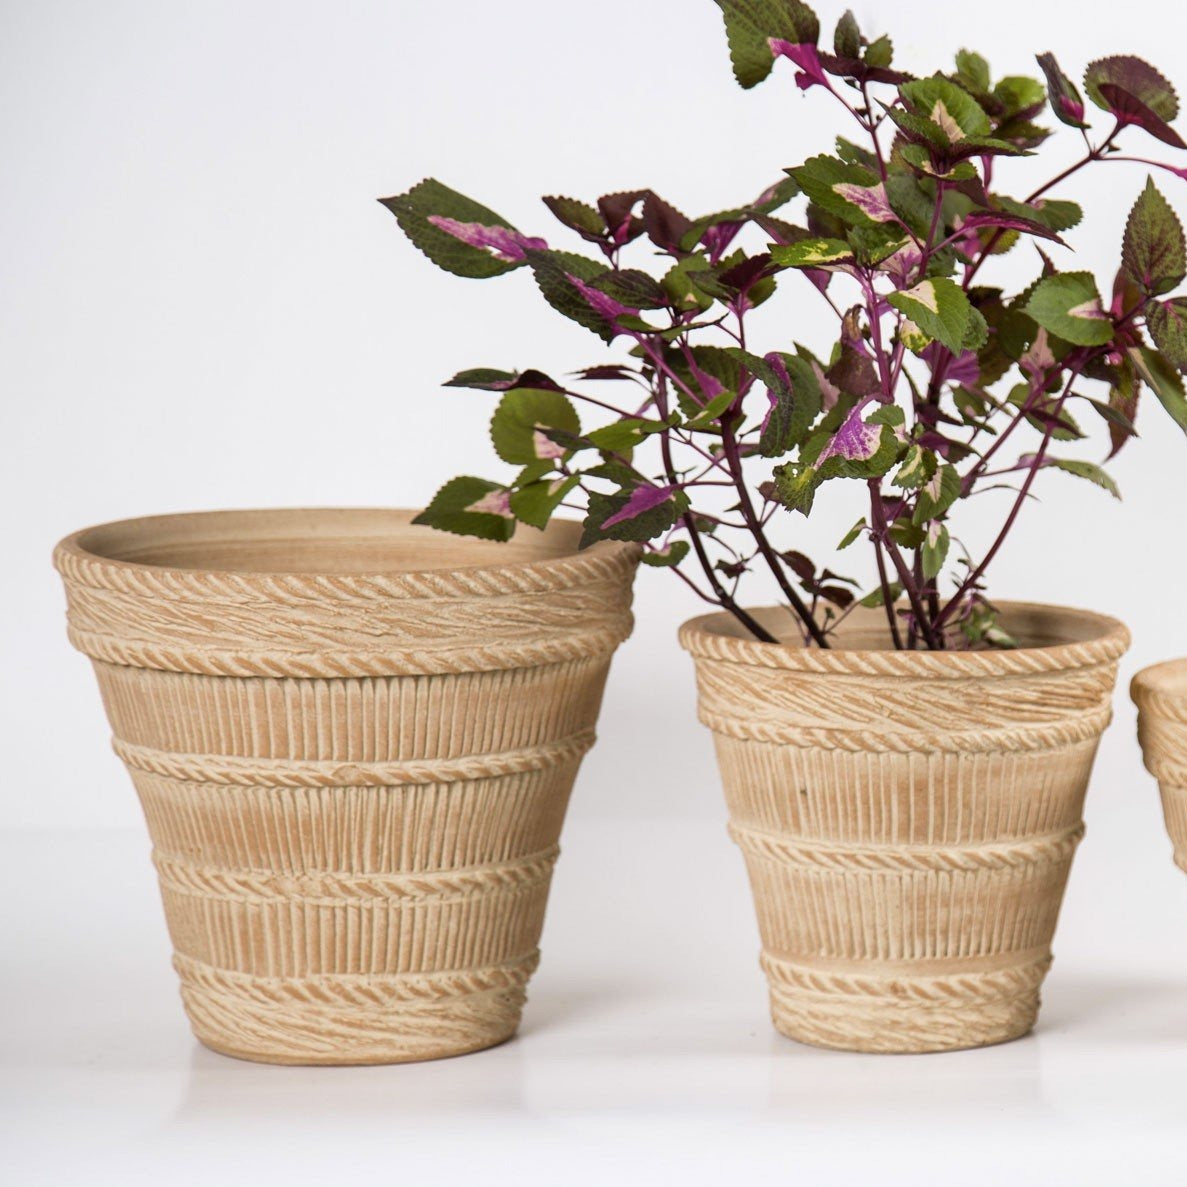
<point x="354" y="849"/>
<point x="908" y="833"/>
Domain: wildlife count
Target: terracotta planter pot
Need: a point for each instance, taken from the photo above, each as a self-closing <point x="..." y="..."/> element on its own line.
<point x="354" y="741"/>
<point x="907" y="819"/>
<point x="1160" y="694"/>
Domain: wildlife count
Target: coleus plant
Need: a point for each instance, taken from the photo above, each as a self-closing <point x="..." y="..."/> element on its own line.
<point x="938" y="387"/>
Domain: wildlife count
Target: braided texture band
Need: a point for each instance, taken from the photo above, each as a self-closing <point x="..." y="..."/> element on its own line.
<point x="1055" y="848"/>
<point x="900" y="1014"/>
<point x="256" y="772"/>
<point x="328" y="889"/>
<point x="908" y="819"/>
<point x="354" y="1018"/>
<point x="556" y="605"/>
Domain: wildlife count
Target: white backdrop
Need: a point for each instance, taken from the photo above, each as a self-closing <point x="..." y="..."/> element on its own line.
<point x="203" y="306"/>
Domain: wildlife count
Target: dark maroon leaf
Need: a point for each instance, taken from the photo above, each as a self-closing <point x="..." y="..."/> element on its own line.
<point x="618" y="211"/>
<point x="744" y="275"/>
<point x="800" y="565"/>
<point x="1011" y="222"/>
<point x="665" y="225"/>
<point x="1129" y="109"/>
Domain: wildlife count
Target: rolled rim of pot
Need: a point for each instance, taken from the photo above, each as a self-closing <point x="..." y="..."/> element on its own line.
<point x="1054" y="638"/>
<point x="289" y="543"/>
<point x="1162" y="689"/>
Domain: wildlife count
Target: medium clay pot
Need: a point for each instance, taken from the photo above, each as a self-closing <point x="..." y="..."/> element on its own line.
<point x="354" y="741"/>
<point x="908" y="819"/>
<point x="1160" y="694"/>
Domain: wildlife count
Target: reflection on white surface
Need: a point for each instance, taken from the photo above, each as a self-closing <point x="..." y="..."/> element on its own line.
<point x="645" y="1049"/>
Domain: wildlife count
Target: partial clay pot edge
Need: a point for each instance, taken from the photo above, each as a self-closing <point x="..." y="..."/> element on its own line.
<point x="1161" y="689"/>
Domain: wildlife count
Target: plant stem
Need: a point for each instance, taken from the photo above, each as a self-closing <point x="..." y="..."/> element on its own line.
<point x="887" y="600"/>
<point x="724" y="598"/>
<point x="882" y="529"/>
<point x="1036" y="465"/>
<point x="734" y="461"/>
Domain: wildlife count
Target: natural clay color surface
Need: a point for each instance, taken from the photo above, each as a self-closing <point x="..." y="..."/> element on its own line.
<point x="908" y="819"/>
<point x="354" y="741"/>
<point x="1160" y="694"/>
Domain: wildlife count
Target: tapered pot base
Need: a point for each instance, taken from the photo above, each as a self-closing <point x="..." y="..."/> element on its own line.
<point x="353" y="1019"/>
<point x="902" y="1014"/>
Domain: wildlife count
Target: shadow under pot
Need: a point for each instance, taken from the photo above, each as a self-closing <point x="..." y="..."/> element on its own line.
<point x="908" y="819"/>
<point x="1160" y="694"/>
<point x="354" y="741"/>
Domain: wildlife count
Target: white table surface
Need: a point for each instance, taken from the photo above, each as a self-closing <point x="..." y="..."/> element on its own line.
<point x="645" y="1054"/>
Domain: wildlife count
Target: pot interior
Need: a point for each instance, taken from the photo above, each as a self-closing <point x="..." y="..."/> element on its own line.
<point x="320" y="541"/>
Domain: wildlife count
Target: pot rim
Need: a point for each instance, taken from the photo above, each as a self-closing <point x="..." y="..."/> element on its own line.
<point x="1095" y="639"/>
<point x="77" y="556"/>
<point x="1162" y="688"/>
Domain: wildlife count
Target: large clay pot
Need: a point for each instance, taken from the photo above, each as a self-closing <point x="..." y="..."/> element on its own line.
<point x="1160" y="693"/>
<point x="354" y="741"/>
<point x="908" y="819"/>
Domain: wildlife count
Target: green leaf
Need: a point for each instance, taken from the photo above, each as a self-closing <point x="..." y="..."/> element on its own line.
<point x="717" y="362"/>
<point x="795" y="486"/>
<point x="851" y="535"/>
<point x="482" y="378"/>
<point x="708" y="416"/>
<point x="1055" y="214"/>
<point x="937" y="494"/>
<point x="1153" y="253"/>
<point x="973" y="71"/>
<point x="847" y="38"/>
<point x="1167" y="323"/>
<point x="1089" y="470"/>
<point x="876" y="597"/>
<point x="795" y="391"/>
<point x="577" y="216"/>
<point x="851" y="192"/>
<point x="880" y="52"/>
<point x="430" y="197"/>
<point x="666" y="558"/>
<point x="1163" y="380"/>
<point x="1068" y="305"/>
<point x="453" y="510"/>
<point x="957" y="114"/>
<point x="940" y="308"/>
<point x="631" y="286"/>
<point x="681" y="285"/>
<point x="933" y="552"/>
<point x="1136" y="78"/>
<point x="917" y="467"/>
<point x="515" y="428"/>
<point x="534" y="503"/>
<point x="1017" y="93"/>
<point x="551" y="270"/>
<point x="645" y="526"/>
<point x="749" y="24"/>
<point x="813" y="252"/>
